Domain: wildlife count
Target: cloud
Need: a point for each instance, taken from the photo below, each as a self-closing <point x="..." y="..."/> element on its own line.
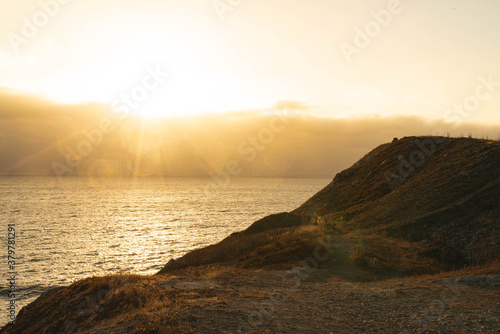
<point x="36" y="135"/>
<point x="292" y="105"/>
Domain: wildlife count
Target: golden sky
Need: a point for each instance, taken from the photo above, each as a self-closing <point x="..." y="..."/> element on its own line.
<point x="227" y="55"/>
<point x="267" y="88"/>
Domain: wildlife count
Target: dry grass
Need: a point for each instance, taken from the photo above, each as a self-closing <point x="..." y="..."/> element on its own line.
<point x="138" y="303"/>
<point x="490" y="268"/>
<point x="269" y="244"/>
<point x="284" y="250"/>
<point x="393" y="255"/>
<point x="453" y="194"/>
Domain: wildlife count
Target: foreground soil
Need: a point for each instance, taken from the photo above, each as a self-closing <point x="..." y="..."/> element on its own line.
<point x="228" y="300"/>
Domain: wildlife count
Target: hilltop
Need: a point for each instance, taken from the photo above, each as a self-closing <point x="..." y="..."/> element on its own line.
<point x="414" y="206"/>
<point x="350" y="259"/>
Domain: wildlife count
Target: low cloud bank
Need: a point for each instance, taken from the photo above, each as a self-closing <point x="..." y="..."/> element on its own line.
<point x="38" y="137"/>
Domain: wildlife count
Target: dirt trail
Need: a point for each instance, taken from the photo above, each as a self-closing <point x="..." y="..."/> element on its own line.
<point x="229" y="300"/>
<point x="261" y="302"/>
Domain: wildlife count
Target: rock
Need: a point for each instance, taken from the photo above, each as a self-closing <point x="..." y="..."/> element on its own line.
<point x="395" y="140"/>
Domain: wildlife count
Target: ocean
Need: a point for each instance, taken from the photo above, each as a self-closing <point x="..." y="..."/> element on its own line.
<point x="76" y="227"/>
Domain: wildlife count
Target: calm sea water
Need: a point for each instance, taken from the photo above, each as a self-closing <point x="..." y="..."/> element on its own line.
<point x="78" y="227"/>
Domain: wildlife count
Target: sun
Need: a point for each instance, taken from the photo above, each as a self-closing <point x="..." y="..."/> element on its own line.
<point x="155" y="89"/>
<point x="186" y="94"/>
<point x="153" y="73"/>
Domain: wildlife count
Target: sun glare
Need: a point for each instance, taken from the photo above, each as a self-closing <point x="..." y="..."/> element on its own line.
<point x="191" y="95"/>
<point x="152" y="80"/>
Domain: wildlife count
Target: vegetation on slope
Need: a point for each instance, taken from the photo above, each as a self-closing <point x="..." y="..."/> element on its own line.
<point x="414" y="206"/>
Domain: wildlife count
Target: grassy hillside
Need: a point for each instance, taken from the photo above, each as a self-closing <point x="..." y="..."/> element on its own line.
<point x="440" y="193"/>
<point x="416" y="205"/>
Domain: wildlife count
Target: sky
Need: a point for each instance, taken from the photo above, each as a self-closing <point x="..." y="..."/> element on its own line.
<point x="328" y="60"/>
<point x="426" y="57"/>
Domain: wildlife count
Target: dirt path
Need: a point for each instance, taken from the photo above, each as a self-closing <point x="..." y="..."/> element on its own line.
<point x="260" y="302"/>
